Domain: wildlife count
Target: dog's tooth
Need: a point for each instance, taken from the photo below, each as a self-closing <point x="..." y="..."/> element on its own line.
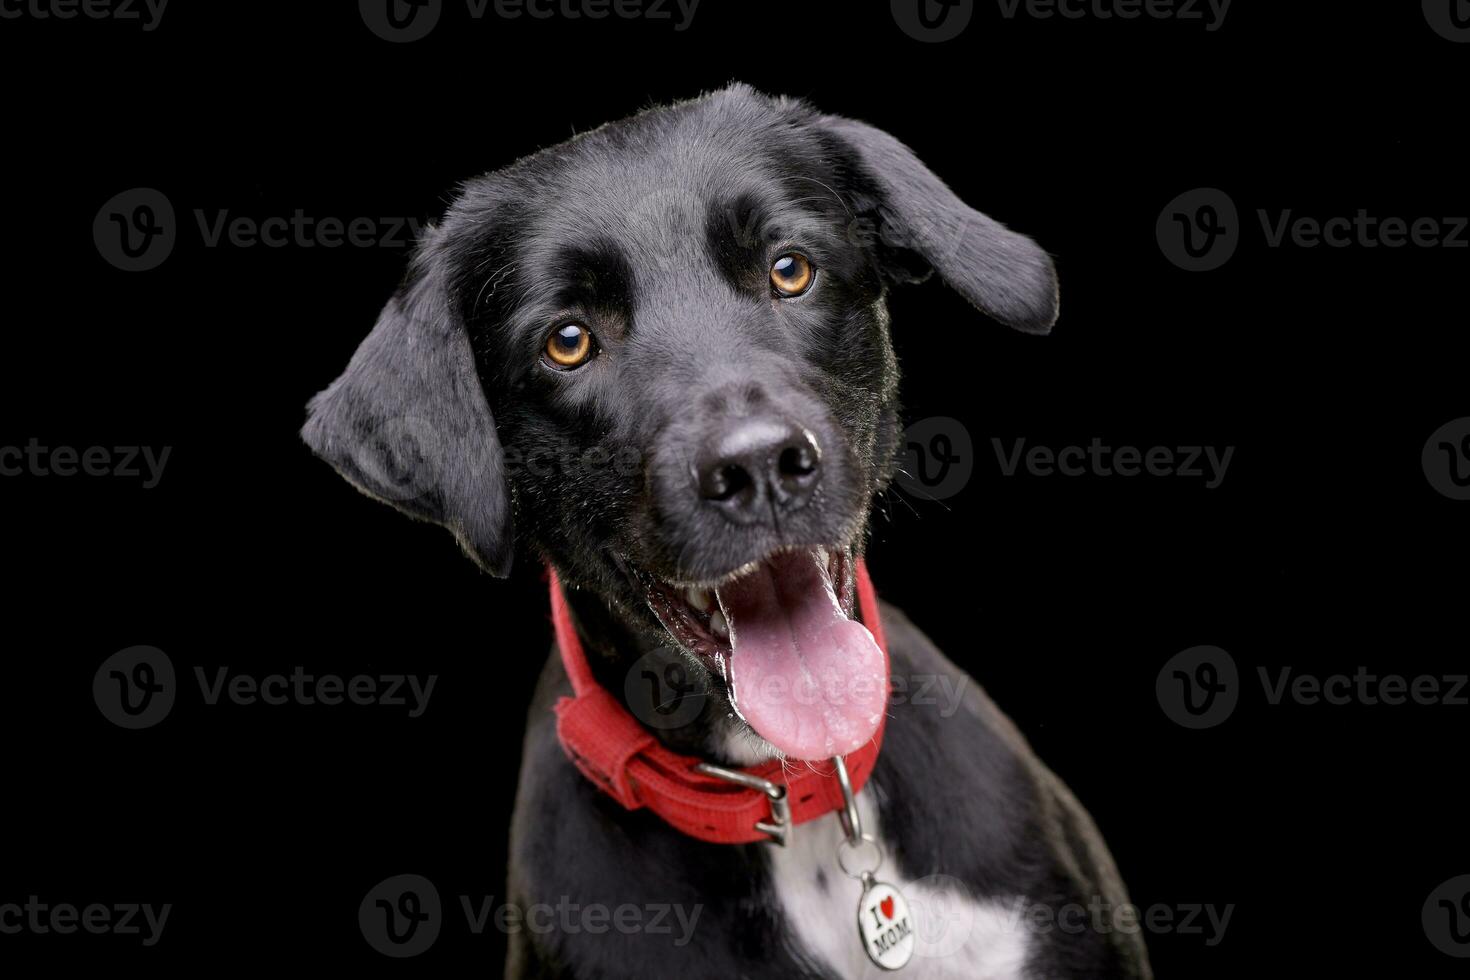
<point x="718" y="626"/>
<point x="699" y="599"/>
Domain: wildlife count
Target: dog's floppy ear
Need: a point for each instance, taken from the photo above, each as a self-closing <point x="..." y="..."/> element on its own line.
<point x="407" y="422"/>
<point x="1003" y="274"/>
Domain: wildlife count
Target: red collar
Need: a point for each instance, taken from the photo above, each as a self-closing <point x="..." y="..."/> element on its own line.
<point x="625" y="761"/>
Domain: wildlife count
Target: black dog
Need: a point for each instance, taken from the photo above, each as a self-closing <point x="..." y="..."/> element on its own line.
<point x="660" y="351"/>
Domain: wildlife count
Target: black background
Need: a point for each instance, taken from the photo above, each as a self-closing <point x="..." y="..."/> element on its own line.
<point x="1325" y="548"/>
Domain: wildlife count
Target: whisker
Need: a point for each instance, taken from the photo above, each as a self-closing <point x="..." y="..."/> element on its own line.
<point x="836" y="196"/>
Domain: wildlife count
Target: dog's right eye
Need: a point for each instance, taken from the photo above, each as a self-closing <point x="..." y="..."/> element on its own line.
<point x="791" y="274"/>
<point x="570" y="346"/>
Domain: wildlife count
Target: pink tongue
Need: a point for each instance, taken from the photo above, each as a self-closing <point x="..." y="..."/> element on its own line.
<point x="809" y="680"/>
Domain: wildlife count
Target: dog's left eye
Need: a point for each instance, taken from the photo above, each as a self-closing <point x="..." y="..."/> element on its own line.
<point x="792" y="274"/>
<point x="569" y="346"/>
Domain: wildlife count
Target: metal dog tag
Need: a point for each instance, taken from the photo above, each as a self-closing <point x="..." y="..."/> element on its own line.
<point x="884" y="923"/>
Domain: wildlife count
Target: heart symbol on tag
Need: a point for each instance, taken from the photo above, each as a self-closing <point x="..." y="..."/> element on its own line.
<point x="887" y="907"/>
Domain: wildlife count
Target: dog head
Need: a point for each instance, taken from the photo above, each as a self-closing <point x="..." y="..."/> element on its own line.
<point x="659" y="352"/>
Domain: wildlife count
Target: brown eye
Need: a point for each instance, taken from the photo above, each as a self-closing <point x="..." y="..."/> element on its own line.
<point x="569" y="346"/>
<point x="791" y="274"/>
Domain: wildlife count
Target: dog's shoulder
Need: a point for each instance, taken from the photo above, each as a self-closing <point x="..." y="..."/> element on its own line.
<point x="1011" y="828"/>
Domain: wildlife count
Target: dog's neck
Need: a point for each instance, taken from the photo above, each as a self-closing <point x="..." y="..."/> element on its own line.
<point x="614" y="650"/>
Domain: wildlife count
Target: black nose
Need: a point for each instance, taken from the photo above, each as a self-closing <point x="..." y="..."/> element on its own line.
<point x="758" y="465"/>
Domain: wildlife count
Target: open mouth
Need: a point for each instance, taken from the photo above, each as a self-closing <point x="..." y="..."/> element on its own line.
<point x="780" y="632"/>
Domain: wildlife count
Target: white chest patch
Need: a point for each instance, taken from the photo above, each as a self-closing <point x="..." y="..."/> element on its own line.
<point x="955" y="935"/>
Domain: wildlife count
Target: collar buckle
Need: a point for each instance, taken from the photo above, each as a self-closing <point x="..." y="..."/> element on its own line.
<point x="776" y="828"/>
